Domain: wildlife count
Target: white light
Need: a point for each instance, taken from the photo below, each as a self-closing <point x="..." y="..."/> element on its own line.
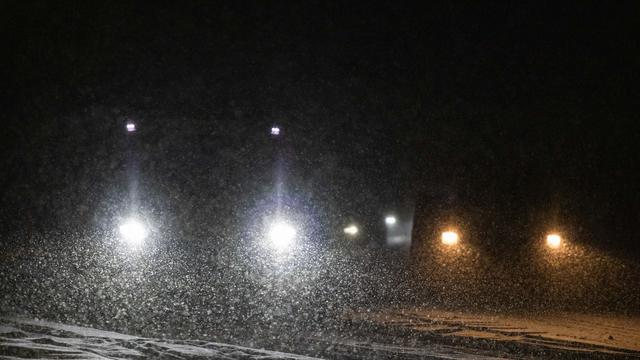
<point x="275" y="130"/>
<point x="450" y="237"/>
<point x="390" y="220"/>
<point x="133" y="232"/>
<point x="131" y="127"/>
<point x="281" y="235"/>
<point x="554" y="241"/>
<point x="351" y="230"/>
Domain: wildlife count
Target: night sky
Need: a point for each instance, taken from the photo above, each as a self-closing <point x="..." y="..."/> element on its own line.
<point x="510" y="118"/>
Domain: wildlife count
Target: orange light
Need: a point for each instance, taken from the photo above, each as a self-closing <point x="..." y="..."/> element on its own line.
<point x="554" y="241"/>
<point x="450" y="238"/>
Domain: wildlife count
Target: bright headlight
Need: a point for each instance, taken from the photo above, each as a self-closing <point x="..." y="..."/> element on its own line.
<point x="450" y="237"/>
<point x="554" y="241"/>
<point x="133" y="232"/>
<point x="281" y="235"/>
<point x="351" y="230"/>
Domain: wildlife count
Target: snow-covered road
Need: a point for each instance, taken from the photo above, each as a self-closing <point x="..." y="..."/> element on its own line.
<point x="20" y="338"/>
<point x="557" y="335"/>
<point x="411" y="334"/>
<point x="26" y="338"/>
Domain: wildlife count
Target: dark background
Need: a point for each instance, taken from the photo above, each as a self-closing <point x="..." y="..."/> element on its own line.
<point x="514" y="118"/>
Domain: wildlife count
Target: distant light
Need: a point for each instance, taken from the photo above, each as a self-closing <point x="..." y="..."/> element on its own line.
<point x="450" y="237"/>
<point x="131" y="127"/>
<point x="554" y="241"/>
<point x="390" y="220"/>
<point x="133" y="232"/>
<point x="281" y="235"/>
<point x="275" y="130"/>
<point x="351" y="230"/>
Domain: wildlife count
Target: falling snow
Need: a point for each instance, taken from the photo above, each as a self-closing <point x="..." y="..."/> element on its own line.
<point x="359" y="180"/>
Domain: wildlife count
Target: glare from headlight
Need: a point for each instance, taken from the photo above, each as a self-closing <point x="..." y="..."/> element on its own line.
<point x="554" y="241"/>
<point x="281" y="235"/>
<point x="131" y="127"/>
<point x="351" y="230"/>
<point x="390" y="220"/>
<point x="450" y="237"/>
<point x="133" y="232"/>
